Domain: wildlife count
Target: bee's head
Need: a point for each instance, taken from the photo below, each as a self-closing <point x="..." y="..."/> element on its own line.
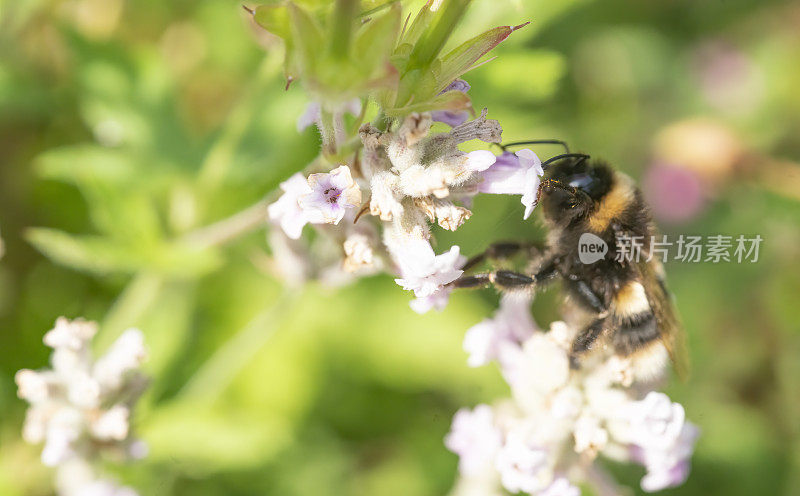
<point x="593" y="178"/>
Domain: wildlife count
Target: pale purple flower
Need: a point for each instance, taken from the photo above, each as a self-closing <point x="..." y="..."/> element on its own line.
<point x="475" y="439"/>
<point x="561" y="487"/>
<point x="514" y="174"/>
<point x="523" y="468"/>
<point x="655" y="422"/>
<point x="286" y="211"/>
<point x="449" y="117"/>
<point x="480" y="160"/>
<point x="330" y="195"/>
<point x="424" y="272"/>
<point x="437" y="301"/>
<point x="313" y="111"/>
<point x="668" y="467"/>
<point x="510" y="326"/>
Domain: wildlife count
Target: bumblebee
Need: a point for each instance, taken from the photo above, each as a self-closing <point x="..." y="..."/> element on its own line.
<point x="625" y="297"/>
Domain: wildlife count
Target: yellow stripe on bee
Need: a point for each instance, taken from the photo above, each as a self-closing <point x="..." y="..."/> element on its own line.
<point x="612" y="204"/>
<point x="631" y="300"/>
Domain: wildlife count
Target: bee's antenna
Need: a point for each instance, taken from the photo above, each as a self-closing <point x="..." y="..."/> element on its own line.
<point x="537" y="142"/>
<point x="580" y="156"/>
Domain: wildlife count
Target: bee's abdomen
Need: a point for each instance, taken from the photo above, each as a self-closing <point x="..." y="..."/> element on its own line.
<point x="633" y="319"/>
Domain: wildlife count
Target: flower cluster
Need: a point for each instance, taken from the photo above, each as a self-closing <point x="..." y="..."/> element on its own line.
<point x="544" y="439"/>
<point x="80" y="408"/>
<point x="403" y="181"/>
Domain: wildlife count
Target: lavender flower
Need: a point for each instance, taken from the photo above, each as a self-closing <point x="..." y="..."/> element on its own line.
<point x="424" y="272"/>
<point x="514" y="174"/>
<point x="560" y="487"/>
<point x="320" y="199"/>
<point x="522" y="466"/>
<point x="449" y="117"/>
<point x="475" y="439"/>
<point x="287" y="211"/>
<point x="556" y="412"/>
<point x="511" y="325"/>
<point x="331" y="194"/>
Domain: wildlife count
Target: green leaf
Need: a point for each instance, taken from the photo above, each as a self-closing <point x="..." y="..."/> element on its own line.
<point x="104" y="256"/>
<point x="446" y="18"/>
<point x="452" y="100"/>
<point x="376" y="39"/>
<point x="461" y="59"/>
<point x="275" y="19"/>
<point x="81" y="164"/>
<point x="193" y="440"/>
<point x="369" y="7"/>
<point x="419" y="25"/>
<point x="306" y="37"/>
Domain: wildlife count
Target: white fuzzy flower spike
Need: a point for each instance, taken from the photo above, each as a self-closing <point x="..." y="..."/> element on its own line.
<point x="82" y="407"/>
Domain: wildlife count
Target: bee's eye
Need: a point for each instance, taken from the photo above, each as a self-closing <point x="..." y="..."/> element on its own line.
<point x="582" y="181"/>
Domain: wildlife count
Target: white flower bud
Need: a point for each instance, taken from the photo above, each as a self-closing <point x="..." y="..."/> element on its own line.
<point x="32" y="386"/>
<point x="112" y="425"/>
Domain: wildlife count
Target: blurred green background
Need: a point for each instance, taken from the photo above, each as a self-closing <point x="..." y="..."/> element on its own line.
<point x="128" y="123"/>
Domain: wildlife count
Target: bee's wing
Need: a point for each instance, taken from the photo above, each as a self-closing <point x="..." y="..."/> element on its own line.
<point x="661" y="301"/>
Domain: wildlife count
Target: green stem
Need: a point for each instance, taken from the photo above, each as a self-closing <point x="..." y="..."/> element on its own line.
<point x="218" y="233"/>
<point x="220" y="156"/>
<point x="328" y="132"/>
<point x="129" y="306"/>
<point x="344" y="13"/>
<point x="219" y="371"/>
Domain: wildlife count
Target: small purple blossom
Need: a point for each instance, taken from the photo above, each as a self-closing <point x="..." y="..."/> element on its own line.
<point x="668" y="467"/>
<point x="437" y="301"/>
<point x="655" y="422"/>
<point x="449" y="117"/>
<point x="561" y="487"/>
<point x="424" y="272"/>
<point x="475" y="439"/>
<point x="514" y="174"/>
<point x="331" y="194"/>
<point x="511" y="325"/>
<point x="287" y="211"/>
<point x="522" y="468"/>
<point x="480" y="160"/>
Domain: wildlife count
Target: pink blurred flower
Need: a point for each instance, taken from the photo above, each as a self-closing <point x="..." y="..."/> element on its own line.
<point x="675" y="194"/>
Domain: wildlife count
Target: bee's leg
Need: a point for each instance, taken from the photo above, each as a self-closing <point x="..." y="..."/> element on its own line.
<point x="507" y="280"/>
<point x="585" y="340"/>
<point x="586" y="296"/>
<point x="501" y="251"/>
